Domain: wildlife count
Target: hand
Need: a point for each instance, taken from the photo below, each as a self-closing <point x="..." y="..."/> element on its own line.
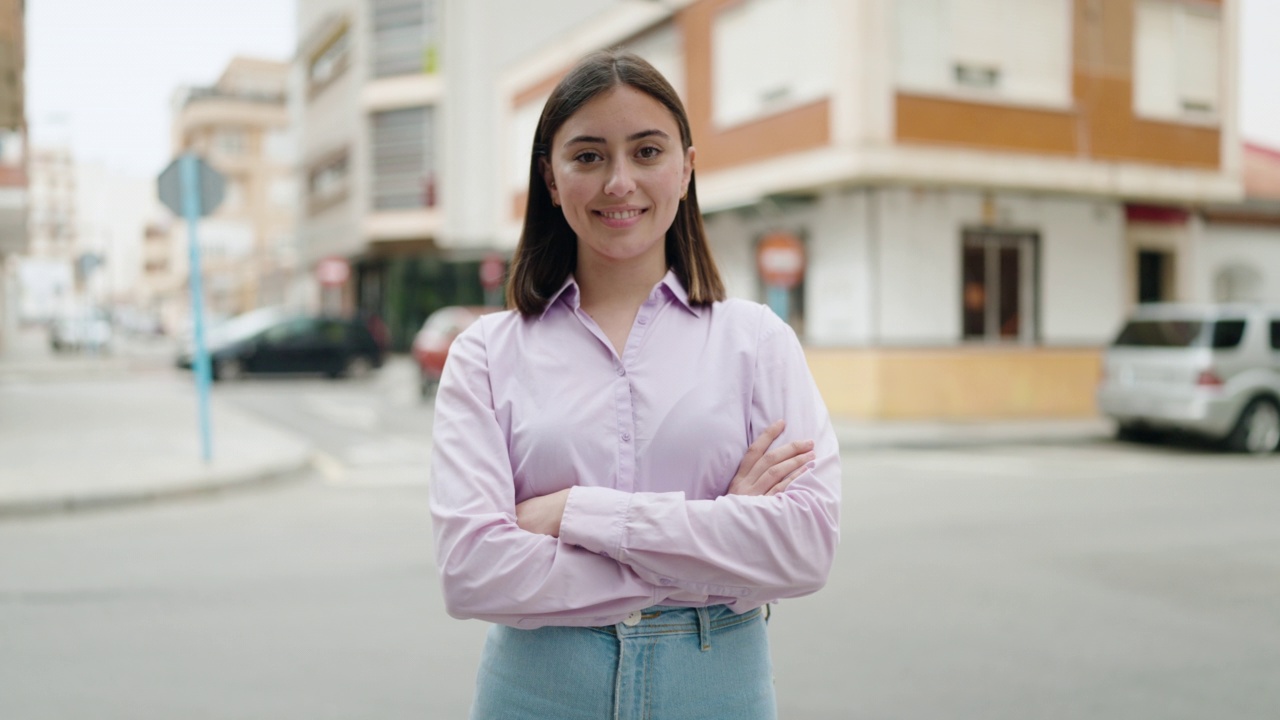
<point x="769" y="473"/>
<point x="543" y="514"/>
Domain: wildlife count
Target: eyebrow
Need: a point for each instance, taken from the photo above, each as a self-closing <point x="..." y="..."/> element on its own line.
<point x="630" y="138"/>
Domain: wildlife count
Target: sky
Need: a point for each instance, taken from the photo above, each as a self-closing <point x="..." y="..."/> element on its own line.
<point x="100" y="74"/>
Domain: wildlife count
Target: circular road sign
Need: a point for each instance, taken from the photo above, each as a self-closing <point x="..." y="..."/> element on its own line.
<point x="780" y="259"/>
<point x="333" y="271"/>
<point x="491" y="270"/>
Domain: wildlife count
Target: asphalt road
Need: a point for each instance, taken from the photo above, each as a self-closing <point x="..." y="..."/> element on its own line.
<point x="1082" y="581"/>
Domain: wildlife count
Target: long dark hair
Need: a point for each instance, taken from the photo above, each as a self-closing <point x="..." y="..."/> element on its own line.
<point x="548" y="248"/>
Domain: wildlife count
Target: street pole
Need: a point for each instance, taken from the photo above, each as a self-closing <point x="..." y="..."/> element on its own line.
<point x="191" y="212"/>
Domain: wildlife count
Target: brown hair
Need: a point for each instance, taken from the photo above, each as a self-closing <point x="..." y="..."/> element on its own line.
<point x="548" y="248"/>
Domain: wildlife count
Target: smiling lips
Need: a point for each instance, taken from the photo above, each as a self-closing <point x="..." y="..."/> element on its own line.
<point x="621" y="218"/>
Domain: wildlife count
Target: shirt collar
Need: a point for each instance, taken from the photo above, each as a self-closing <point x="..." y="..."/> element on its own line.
<point x="670" y="284"/>
<point x="568" y="292"/>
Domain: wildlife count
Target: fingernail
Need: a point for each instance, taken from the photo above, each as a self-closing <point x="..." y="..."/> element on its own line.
<point x="808" y="444"/>
<point x="811" y="464"/>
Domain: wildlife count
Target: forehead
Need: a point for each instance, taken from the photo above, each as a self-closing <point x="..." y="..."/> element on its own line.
<point x="617" y="113"/>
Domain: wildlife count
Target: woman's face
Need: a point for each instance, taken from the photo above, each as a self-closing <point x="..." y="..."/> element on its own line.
<point x="617" y="169"/>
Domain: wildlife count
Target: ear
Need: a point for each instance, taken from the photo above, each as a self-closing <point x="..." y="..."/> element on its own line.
<point x="688" y="170"/>
<point x="549" y="178"/>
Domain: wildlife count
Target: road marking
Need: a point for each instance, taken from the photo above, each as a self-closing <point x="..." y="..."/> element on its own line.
<point x="334" y="472"/>
<point x="348" y="412"/>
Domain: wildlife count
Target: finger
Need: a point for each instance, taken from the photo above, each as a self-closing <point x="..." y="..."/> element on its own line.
<point x="784" y="452"/>
<point x="760" y="445"/>
<point x="790" y="479"/>
<point x="781" y="471"/>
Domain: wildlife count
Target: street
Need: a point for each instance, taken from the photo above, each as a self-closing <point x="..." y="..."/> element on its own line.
<point x="1071" y="580"/>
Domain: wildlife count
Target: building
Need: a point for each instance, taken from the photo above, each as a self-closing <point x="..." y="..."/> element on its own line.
<point x="981" y="188"/>
<point x="13" y="157"/>
<point x="396" y="110"/>
<point x="240" y="126"/>
<point x="48" y="267"/>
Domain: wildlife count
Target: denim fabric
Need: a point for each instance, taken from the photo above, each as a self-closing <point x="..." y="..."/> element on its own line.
<point x="671" y="665"/>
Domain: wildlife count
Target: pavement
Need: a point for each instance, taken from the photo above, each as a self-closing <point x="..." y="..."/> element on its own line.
<point x="84" y="432"/>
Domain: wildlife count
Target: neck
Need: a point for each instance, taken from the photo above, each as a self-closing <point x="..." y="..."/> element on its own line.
<point x="603" y="284"/>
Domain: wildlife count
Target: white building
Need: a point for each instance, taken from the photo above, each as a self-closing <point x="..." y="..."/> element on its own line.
<point x="396" y="106"/>
<point x="983" y="188"/>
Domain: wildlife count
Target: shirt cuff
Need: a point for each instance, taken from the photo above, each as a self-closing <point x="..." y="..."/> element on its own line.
<point x="595" y="519"/>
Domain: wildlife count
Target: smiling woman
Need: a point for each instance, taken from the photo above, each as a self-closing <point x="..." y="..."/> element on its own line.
<point x="628" y="468"/>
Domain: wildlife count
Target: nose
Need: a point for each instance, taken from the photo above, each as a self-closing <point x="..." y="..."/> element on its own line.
<point x="620" y="182"/>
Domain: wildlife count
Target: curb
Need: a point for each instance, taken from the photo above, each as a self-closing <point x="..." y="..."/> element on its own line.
<point x="277" y="473"/>
<point x="943" y="436"/>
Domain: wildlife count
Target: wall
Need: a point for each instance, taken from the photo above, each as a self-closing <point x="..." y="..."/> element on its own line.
<point x="1255" y="247"/>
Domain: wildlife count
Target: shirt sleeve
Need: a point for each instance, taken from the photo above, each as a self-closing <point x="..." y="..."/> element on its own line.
<point x="490" y="568"/>
<point x="755" y="548"/>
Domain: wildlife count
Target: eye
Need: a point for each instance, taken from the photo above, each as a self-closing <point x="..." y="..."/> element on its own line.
<point x="649" y="152"/>
<point x="587" y="156"/>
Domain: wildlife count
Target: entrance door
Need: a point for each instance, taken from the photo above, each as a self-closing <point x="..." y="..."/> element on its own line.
<point x="1155" y="276"/>
<point x="999" y="286"/>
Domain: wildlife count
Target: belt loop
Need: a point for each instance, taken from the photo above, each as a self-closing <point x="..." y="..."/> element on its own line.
<point x="704" y="628"/>
<point x="767" y="612"/>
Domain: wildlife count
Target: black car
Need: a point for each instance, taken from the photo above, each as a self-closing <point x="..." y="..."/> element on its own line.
<point x="274" y="341"/>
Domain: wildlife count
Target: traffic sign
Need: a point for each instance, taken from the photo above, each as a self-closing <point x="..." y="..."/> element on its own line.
<point x="780" y="259"/>
<point x="333" y="271"/>
<point x="212" y="187"/>
<point x="192" y="189"/>
<point x="491" y="271"/>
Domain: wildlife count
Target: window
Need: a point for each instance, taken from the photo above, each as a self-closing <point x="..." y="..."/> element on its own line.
<point x="330" y="60"/>
<point x="770" y="55"/>
<point x="403" y="159"/>
<point x="998" y="50"/>
<point x="229" y="142"/>
<point x="998" y="286"/>
<point x="406" y="37"/>
<point x="1176" y="60"/>
<point x="664" y="49"/>
<point x="327" y="182"/>
<point x="1227" y="334"/>
<point x="1160" y="333"/>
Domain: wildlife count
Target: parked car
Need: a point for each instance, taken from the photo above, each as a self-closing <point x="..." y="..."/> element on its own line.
<point x="271" y="340"/>
<point x="431" y="345"/>
<point x="1212" y="370"/>
<point x="83" y="329"/>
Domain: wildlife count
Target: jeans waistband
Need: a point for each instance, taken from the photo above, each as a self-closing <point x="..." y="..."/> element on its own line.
<point x="668" y="620"/>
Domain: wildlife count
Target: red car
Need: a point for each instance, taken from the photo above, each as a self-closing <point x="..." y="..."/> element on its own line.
<point x="431" y="344"/>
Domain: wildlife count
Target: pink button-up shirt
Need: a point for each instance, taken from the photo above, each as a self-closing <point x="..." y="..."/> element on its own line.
<point x="648" y="441"/>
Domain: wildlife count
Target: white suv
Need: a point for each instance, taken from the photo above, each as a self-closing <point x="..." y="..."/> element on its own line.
<point x="1209" y="369"/>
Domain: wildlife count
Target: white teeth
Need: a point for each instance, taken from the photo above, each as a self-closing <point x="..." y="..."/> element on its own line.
<point x="620" y="215"/>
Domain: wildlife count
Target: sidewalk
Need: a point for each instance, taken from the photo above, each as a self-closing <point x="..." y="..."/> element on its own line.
<point x="83" y="432"/>
<point x="868" y="434"/>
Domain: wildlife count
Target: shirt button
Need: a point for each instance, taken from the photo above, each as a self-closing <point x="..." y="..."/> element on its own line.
<point x="666" y="581"/>
<point x="642" y="320"/>
<point x="626" y="437"/>
<point x="621" y="371"/>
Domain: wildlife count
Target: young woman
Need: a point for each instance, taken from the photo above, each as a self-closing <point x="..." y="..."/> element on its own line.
<point x="596" y="491"/>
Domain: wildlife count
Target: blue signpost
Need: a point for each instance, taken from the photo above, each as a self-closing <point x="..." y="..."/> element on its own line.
<point x="192" y="189"/>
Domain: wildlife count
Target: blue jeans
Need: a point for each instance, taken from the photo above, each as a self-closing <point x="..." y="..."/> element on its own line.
<point x="673" y="664"/>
